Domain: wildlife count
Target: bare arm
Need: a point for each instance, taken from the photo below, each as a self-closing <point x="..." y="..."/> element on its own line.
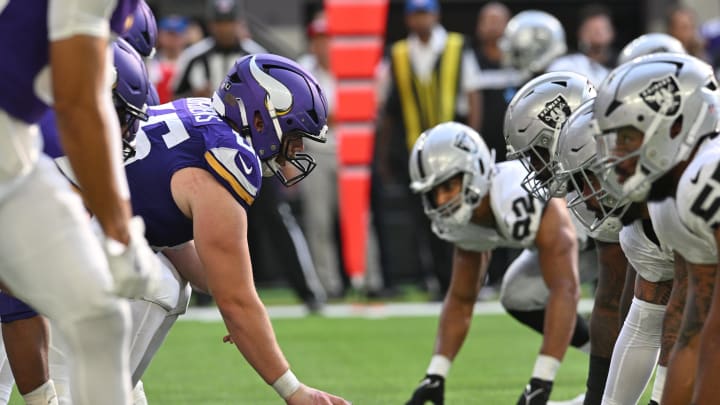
<point x="557" y="248"/>
<point x="89" y="130"/>
<point x="220" y="227"/>
<point x="706" y="388"/>
<point x="468" y="274"/>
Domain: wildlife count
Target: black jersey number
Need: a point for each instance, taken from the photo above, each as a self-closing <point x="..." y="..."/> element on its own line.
<point x="701" y="207"/>
<point x="522" y="207"/>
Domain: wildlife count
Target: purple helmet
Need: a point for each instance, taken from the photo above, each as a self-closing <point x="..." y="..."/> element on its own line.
<point x="286" y="97"/>
<point x="130" y="90"/>
<point x="142" y="30"/>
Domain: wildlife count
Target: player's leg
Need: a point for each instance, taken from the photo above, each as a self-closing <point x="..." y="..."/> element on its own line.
<point x="55" y="263"/>
<point x="524" y="295"/>
<point x="637" y="348"/>
<point x="684" y="358"/>
<point x="154" y="316"/>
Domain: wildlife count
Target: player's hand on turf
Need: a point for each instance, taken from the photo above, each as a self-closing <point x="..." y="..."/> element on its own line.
<point x="537" y="392"/>
<point x="310" y="396"/>
<point x="431" y="388"/>
<point x="135" y="269"/>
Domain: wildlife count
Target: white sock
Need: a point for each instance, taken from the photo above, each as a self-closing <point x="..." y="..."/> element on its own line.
<point x="42" y="395"/>
<point x="635" y="354"/>
<point x="546" y="367"/>
<point x="138" y="394"/>
<point x="659" y="385"/>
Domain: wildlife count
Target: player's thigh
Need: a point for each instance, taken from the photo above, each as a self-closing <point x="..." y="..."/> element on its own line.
<point x="53" y="261"/>
<point x="523" y="287"/>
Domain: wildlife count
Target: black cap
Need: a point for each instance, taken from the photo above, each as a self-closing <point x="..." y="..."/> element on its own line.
<point x="223" y="10"/>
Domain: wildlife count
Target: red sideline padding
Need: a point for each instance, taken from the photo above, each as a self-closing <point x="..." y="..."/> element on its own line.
<point x="355" y="144"/>
<point x="354" y="218"/>
<point x="355" y="102"/>
<point x="353" y="17"/>
<point x="352" y="59"/>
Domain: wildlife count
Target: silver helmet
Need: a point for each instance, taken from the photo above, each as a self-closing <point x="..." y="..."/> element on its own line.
<point x="441" y="153"/>
<point x="532" y="40"/>
<point x="649" y="44"/>
<point x="533" y="120"/>
<point x="598" y="211"/>
<point x="663" y="103"/>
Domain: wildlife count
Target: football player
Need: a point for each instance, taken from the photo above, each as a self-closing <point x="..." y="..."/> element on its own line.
<point x="478" y="205"/>
<point x="60" y="60"/>
<point x="531" y="41"/>
<point x="194" y="168"/>
<point x="636" y="349"/>
<point x="142" y="34"/>
<point x="532" y="125"/>
<point x="657" y="120"/>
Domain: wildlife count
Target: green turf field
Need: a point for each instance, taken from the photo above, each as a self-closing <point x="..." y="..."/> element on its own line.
<point x="367" y="361"/>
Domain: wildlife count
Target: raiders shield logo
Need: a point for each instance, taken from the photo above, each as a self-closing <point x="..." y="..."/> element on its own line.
<point x="662" y="96"/>
<point x="555" y="112"/>
<point x="463" y="141"/>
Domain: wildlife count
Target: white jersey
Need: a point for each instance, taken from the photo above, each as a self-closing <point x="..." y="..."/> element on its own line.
<point x="699" y="198"/>
<point x="686" y="223"/>
<point x="517" y="215"/>
<point x="653" y="260"/>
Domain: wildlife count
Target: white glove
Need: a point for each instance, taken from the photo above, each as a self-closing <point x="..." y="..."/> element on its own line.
<point x="134" y="267"/>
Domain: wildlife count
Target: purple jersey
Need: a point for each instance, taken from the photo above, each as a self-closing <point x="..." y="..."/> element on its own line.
<point x="186" y="133"/>
<point x="24" y="40"/>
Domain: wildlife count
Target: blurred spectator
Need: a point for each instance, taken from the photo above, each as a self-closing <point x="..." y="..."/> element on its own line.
<point x="498" y="86"/>
<point x="172" y="40"/>
<point x="433" y="79"/>
<point x="497" y="83"/>
<point x="710" y="32"/>
<point x="203" y="66"/>
<point x="595" y="36"/>
<point x="196" y="31"/>
<point x="318" y="192"/>
<point x="682" y="24"/>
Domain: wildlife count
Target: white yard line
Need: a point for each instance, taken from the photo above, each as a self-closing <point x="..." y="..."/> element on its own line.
<point x="366" y="311"/>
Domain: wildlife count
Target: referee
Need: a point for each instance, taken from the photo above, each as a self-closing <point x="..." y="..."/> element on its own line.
<point x="202" y="66"/>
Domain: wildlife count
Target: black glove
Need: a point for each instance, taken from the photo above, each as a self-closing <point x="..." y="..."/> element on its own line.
<point x="537" y="392"/>
<point x="431" y="388"/>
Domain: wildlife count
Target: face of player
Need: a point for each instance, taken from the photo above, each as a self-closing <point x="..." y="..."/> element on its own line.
<point x="292" y="144"/>
<point x="539" y="160"/>
<point x="628" y="141"/>
<point x="589" y="188"/>
<point x="447" y="190"/>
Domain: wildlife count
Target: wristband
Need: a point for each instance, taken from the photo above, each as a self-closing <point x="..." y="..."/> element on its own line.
<point x="286" y="385"/>
<point x="439" y="365"/>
